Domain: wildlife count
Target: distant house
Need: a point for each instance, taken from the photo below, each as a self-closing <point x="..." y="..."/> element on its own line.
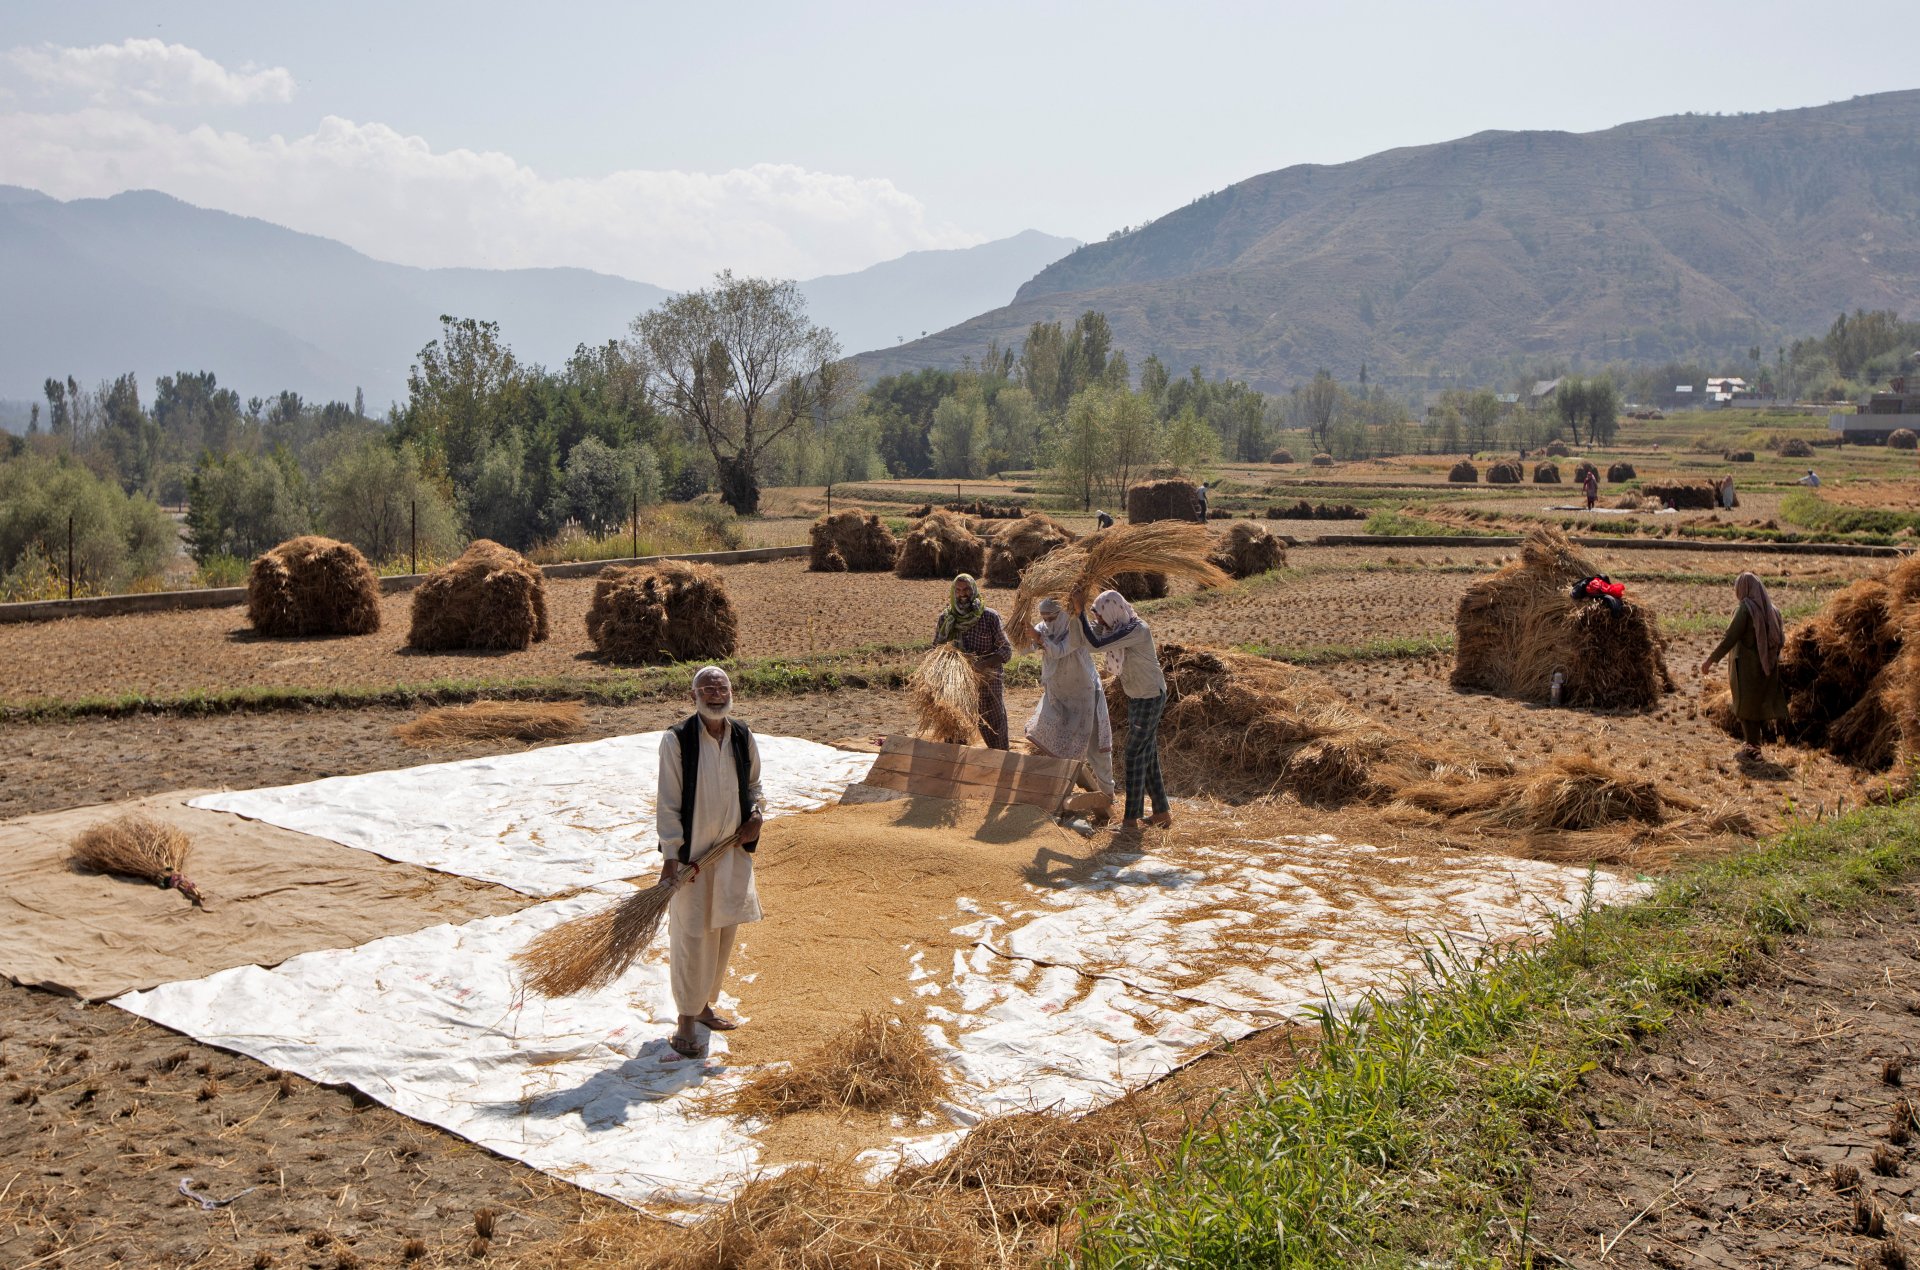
<point x="1508" y="398"/>
<point x="1543" y="391"/>
<point x="1724" y="389"/>
<point x="1880" y="415"/>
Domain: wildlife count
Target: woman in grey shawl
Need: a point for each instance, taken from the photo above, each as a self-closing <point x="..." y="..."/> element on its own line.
<point x="1753" y="641"/>
<point x="1071" y="720"/>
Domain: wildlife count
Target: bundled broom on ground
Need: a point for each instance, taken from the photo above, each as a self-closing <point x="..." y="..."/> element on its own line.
<point x="313" y="586"/>
<point x="137" y="846"/>
<point x="1076" y="573"/>
<point x="946" y="696"/>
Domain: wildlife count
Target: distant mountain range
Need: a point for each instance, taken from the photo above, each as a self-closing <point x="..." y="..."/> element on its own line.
<point x="144" y="282"/>
<point x="1645" y="241"/>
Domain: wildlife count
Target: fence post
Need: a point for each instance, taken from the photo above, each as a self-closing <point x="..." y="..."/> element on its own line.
<point x="829" y="498"/>
<point x="69" y="555"/>
<point x="413" y="536"/>
<point x="636" y="524"/>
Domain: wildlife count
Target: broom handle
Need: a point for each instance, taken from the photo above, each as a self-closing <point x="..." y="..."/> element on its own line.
<point x="691" y="869"/>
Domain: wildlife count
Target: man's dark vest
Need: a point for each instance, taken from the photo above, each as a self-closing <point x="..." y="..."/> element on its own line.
<point x="689" y="734"/>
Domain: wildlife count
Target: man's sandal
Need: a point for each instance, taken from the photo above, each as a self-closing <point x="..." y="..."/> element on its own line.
<point x="686" y="1048"/>
<point x="716" y="1022"/>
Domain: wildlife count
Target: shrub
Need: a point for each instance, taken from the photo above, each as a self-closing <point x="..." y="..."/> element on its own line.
<point x="118" y="540"/>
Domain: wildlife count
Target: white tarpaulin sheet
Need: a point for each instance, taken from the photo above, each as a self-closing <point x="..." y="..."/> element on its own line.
<point x="542" y="822"/>
<point x="1096" y="988"/>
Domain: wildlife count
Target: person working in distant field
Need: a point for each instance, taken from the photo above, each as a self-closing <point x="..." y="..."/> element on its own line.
<point x="976" y="631"/>
<point x="709" y="787"/>
<point x="1590" y="486"/>
<point x="1754" y="639"/>
<point x="1728" y="499"/>
<point x="1071" y="720"/>
<point x="1203" y="500"/>
<point x="1132" y="657"/>
<point x="1811" y="478"/>
<point x="1102" y="521"/>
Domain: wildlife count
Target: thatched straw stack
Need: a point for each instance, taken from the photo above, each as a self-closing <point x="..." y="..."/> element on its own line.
<point x="663" y="612"/>
<point x="495" y="721"/>
<point x="1558" y="450"/>
<point x="313" y="586"/>
<point x="879" y="1064"/>
<point x="1505" y="472"/>
<point x="1141" y="586"/>
<point x="1463" y="473"/>
<point x="1794" y="448"/>
<point x="1581" y="469"/>
<point x="1684" y="495"/>
<point x="1322" y="460"/>
<point x="1076" y="573"/>
<point x="1020" y="544"/>
<point x="1246" y="550"/>
<point x="1514" y="629"/>
<point x="859" y="542"/>
<point x="1243" y="726"/>
<point x="1738" y="456"/>
<point x="1903" y="439"/>
<point x="1618" y="472"/>
<point x="1280" y="456"/>
<point x="1546" y="474"/>
<point x="940" y="545"/>
<point x="489" y="598"/>
<point x="946" y="697"/>
<point x="1150" y="501"/>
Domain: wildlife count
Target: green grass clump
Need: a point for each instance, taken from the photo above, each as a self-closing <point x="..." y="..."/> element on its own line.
<point x="1402" y="524"/>
<point x="1804" y="507"/>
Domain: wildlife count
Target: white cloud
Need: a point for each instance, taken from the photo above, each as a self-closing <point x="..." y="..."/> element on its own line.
<point x="149" y="73"/>
<point x="396" y="198"/>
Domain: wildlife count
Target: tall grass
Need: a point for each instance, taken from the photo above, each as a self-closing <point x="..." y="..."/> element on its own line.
<point x="667" y="529"/>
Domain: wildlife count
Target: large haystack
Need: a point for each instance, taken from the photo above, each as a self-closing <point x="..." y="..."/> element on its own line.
<point x="1020" y="544"/>
<point x="1618" y="472"/>
<point x="940" y="545"/>
<point x="1794" y="448"/>
<point x="1737" y="456"/>
<point x="1684" y="495"/>
<point x="1514" y="629"/>
<point x="1463" y="473"/>
<point x="862" y="543"/>
<point x="1243" y="726"/>
<point x="1163" y="500"/>
<point x="1247" y="549"/>
<point x="1581" y="469"/>
<point x="1280" y="456"/>
<point x="1903" y="439"/>
<point x="664" y="612"/>
<point x="1546" y="474"/>
<point x="489" y="598"/>
<point x="1321" y="460"/>
<point x="1505" y="472"/>
<point x="1141" y="586"/>
<point x="1558" y="450"/>
<point x="313" y="586"/>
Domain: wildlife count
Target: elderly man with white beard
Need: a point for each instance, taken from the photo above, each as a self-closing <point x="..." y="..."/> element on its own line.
<point x="709" y="787"/>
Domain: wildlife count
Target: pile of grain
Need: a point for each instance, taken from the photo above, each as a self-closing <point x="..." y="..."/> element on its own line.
<point x="940" y="545"/>
<point x="313" y="586"/>
<point x="851" y="541"/>
<point x="663" y="612"/>
<point x="488" y="598"/>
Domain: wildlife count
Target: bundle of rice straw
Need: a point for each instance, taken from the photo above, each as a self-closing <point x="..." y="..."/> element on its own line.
<point x="1463" y="473"/>
<point x="1141" y="586"/>
<point x="1684" y="495"/>
<point x="946" y="697"/>
<point x="860" y="541"/>
<point x="137" y="846"/>
<point x="879" y="1064"/>
<point x="1618" y="472"/>
<point x="588" y="953"/>
<point x="1794" y="448"/>
<point x="1152" y="501"/>
<point x="1898" y="439"/>
<point x="1546" y="474"/>
<point x="1506" y="472"/>
<point x="1280" y="456"/>
<point x="1019" y="544"/>
<point x="313" y="586"/>
<point x="488" y="598"/>
<point x="1581" y="469"/>
<point x="1572" y="791"/>
<point x="663" y="612"/>
<point x="1246" y="550"/>
<point x="940" y="545"/>
<point x="1076" y="573"/>
<point x="1746" y="456"/>
<point x="1239" y="726"/>
<point x="495" y="720"/>
<point x="1514" y="629"/>
<point x="1558" y="450"/>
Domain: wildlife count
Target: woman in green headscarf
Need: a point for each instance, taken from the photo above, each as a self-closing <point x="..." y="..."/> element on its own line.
<point x="976" y="630"/>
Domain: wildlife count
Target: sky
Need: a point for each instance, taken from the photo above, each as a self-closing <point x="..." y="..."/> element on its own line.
<point x="663" y="142"/>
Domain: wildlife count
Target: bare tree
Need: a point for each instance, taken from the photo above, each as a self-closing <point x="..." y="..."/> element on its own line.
<point x="741" y="362"/>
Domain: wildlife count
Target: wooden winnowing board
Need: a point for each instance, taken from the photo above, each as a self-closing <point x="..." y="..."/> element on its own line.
<point x="936" y="769"/>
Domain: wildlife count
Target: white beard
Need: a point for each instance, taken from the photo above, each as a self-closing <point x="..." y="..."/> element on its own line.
<point x="715" y="712"/>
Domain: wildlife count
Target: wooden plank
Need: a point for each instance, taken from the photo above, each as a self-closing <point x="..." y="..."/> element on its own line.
<point x="947" y="788"/>
<point x="924" y="774"/>
<point x="974" y="769"/>
<point x="915" y="746"/>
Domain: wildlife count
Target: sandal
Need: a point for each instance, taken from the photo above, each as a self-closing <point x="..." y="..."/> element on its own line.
<point x="1161" y="820"/>
<point x="716" y="1022"/>
<point x="685" y="1048"/>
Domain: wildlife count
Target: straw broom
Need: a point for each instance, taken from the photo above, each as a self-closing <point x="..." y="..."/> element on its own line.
<point x="137" y="846"/>
<point x="946" y="696"/>
<point x="1077" y="572"/>
<point x="590" y="952"/>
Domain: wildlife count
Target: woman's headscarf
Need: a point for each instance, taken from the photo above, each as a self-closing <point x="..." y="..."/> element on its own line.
<point x="1769" y="631"/>
<point x="1052" y="627"/>
<point x="1118" y="616"/>
<point x="959" y="618"/>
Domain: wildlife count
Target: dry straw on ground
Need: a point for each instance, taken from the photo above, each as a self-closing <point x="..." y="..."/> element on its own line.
<point x="1076" y="573"/>
<point x="1794" y="448"/>
<point x="1152" y="501"/>
<point x="1572" y="791"/>
<point x="663" y="612"/>
<point x="137" y="846"/>
<point x="1280" y="456"/>
<point x="1322" y="460"/>
<point x="1558" y="450"/>
<point x="488" y="598"/>
<point x="861" y="542"/>
<point x="1020" y="544"/>
<point x="313" y="586"/>
<point x="940" y="545"/>
<point x="946" y="697"/>
<point x="495" y="721"/>
<point x="880" y="1064"/>
<point x="1246" y="550"/>
<point x="1903" y="439"/>
<point x="1463" y="473"/>
<point x="1514" y="629"/>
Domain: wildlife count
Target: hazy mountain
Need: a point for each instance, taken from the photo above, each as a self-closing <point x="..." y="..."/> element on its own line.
<point x="144" y="282"/>
<point x="1671" y="233"/>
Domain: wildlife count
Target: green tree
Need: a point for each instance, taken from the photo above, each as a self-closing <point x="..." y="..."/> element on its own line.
<point x="1190" y="444"/>
<point x="464" y="395"/>
<point x="1319" y="401"/>
<point x="1481" y="412"/>
<point x="959" y="439"/>
<point x="1570" y="405"/>
<point x="240" y="504"/>
<point x="118" y="538"/>
<point x="194" y="413"/>
<point x="1602" y="409"/>
<point x="600" y="485"/>
<point x="1081" y="449"/>
<point x="369" y="496"/>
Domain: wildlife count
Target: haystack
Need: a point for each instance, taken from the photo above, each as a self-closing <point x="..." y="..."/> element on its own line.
<point x="1618" y="472"/>
<point x="1280" y="456"/>
<point x="1558" y="450"/>
<point x="1140" y="557"/>
<point x="1794" y="448"/>
<point x="1903" y="439"/>
<point x="1514" y="629"/>
<point x="1246" y="550"/>
<point x="1322" y="460"/>
<point x="664" y="612"/>
<point x="313" y="586"/>
<point x="1242" y="726"/>
<point x="1742" y="456"/>
<point x="1020" y="544"/>
<point x="1304" y="510"/>
<point x="488" y="598"/>
<point x="1546" y="474"/>
<point x="1505" y="472"/>
<point x="1463" y="473"/>
<point x="862" y="543"/>
<point x="940" y="545"/>
<point x="1141" y="586"/>
<point x="1163" y="500"/>
<point x="1684" y="495"/>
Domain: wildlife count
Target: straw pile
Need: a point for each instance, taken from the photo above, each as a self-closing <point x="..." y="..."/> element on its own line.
<point x="1514" y="629"/>
<point x="1463" y="473"/>
<point x="1738" y="456"/>
<point x="1304" y="510"/>
<point x="1076" y="573"/>
<point x="1903" y="439"/>
<point x="1581" y="469"/>
<point x="1280" y="456"/>
<point x="1322" y="460"/>
<point x="1020" y="544"/>
<point x="1684" y="495"/>
<point x="1151" y="501"/>
<point x="940" y="545"/>
<point x="1794" y="448"/>
<point x="946" y="697"/>
<point x="1558" y="450"/>
<point x="663" y="612"/>
<point x="1618" y="472"/>
<point x="880" y="1064"/>
<point x="488" y="598"/>
<point x="1573" y="791"/>
<point x="1546" y="474"/>
<point x="137" y="846"/>
<point x="313" y="586"/>
<point x="1248" y="549"/>
<point x="495" y="721"/>
<point x="860" y="541"/>
<point x="1505" y="472"/>
<point x="1243" y="726"/>
<point x="982" y="510"/>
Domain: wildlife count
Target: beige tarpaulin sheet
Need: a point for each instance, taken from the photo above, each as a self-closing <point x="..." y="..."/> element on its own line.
<point x="271" y="893"/>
